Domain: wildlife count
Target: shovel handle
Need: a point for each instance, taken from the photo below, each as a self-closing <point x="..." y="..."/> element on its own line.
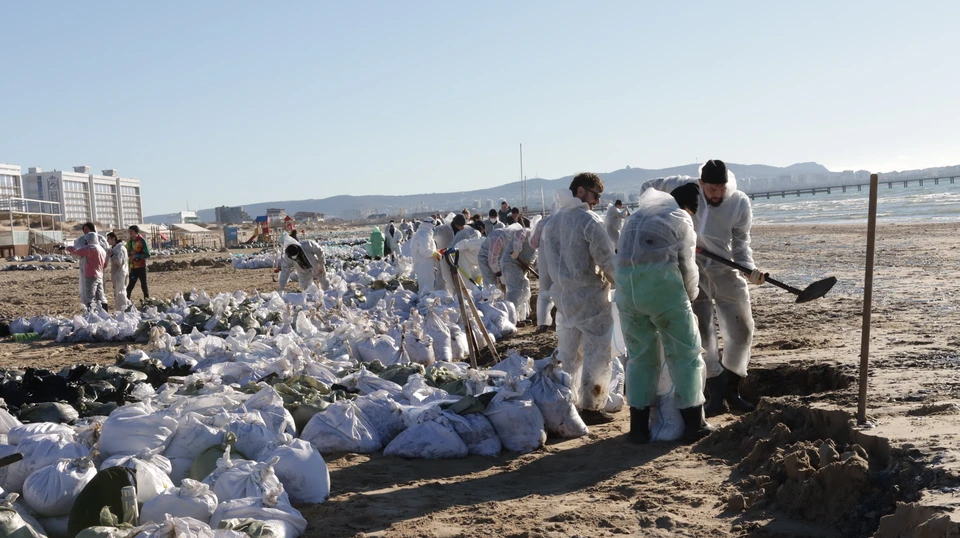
<point x="736" y="265"/>
<point x="12" y="458"/>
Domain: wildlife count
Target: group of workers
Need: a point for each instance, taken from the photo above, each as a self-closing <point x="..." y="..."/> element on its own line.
<point x="127" y="263"/>
<point x="668" y="297"/>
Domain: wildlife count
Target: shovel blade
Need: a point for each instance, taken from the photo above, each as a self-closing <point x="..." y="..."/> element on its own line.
<point x="816" y="290"/>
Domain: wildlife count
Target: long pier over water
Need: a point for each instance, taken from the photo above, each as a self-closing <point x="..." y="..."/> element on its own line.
<point x="843" y="188"/>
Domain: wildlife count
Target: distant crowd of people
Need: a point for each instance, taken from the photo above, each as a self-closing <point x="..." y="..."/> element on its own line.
<point x="127" y="264"/>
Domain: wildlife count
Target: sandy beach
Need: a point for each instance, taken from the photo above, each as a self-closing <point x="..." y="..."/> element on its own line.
<point x="764" y="474"/>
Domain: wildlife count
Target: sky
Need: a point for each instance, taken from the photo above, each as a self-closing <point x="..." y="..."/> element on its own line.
<point x="212" y="103"/>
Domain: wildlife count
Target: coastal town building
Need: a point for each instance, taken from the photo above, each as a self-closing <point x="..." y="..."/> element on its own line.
<point x="106" y="198"/>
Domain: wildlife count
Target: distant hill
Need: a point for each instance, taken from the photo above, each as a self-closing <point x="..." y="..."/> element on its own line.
<point x="754" y="177"/>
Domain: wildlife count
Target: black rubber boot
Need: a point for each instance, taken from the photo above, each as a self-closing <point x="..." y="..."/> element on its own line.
<point x="694" y="425"/>
<point x="716" y="389"/>
<point x="639" y="425"/>
<point x="731" y="393"/>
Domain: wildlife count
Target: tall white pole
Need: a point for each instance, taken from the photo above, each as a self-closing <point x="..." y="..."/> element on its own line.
<point x="523" y="184"/>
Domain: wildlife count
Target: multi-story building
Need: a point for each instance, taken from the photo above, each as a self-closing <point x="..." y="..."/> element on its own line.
<point x="10" y="185"/>
<point x="232" y="215"/>
<point x="112" y="201"/>
<point x="275" y="213"/>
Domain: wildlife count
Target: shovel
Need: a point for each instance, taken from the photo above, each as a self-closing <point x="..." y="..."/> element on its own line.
<point x="812" y="292"/>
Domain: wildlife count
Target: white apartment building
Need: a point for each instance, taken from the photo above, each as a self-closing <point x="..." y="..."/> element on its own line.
<point x="106" y="198"/>
<point x="10" y="184"/>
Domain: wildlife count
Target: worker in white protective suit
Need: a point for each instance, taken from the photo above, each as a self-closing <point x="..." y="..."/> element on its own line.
<point x="489" y="256"/>
<point x="515" y="260"/>
<point x="492" y="222"/>
<point x="119" y="271"/>
<point x="657" y="281"/>
<point x="306" y="258"/>
<point x="392" y="239"/>
<point x="613" y="221"/>
<point x="423" y="250"/>
<point x="723" y="226"/>
<point x="443" y="235"/>
<point x="544" y="300"/>
<point x="581" y="267"/>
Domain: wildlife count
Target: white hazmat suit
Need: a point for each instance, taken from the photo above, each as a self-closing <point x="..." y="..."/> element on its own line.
<point x="314" y="269"/>
<point x="443" y="236"/>
<point x="119" y="271"/>
<point x="580" y="262"/>
<point x="544" y="301"/>
<point x="723" y="230"/>
<point x="613" y="221"/>
<point x="518" y="253"/>
<point x="422" y="249"/>
<point x="657" y="279"/>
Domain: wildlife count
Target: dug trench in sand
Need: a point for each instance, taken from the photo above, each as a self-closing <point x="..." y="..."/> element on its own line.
<point x="742" y="481"/>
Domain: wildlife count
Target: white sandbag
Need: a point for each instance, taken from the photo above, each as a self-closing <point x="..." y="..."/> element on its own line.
<point x="104" y="532"/>
<point x="192" y="499"/>
<point x="418" y="392"/>
<point x="176" y="527"/>
<point x="252" y="437"/>
<point x="12" y="522"/>
<point x="385" y="414"/>
<point x="615" y="396"/>
<point x="477" y="433"/>
<point x="666" y="423"/>
<point x="192" y="437"/>
<point x="419" y="350"/>
<point x="245" y="479"/>
<point x="459" y="347"/>
<point x="7" y="421"/>
<point x="153" y="472"/>
<point x="376" y="347"/>
<point x="433" y="438"/>
<point x="51" y="490"/>
<point x="437" y="330"/>
<point x="515" y="365"/>
<point x="555" y="401"/>
<point x="342" y="427"/>
<point x="270" y="405"/>
<point x="268" y="508"/>
<point x="38" y="452"/>
<point x="134" y="428"/>
<point x="517" y="419"/>
<point x="20" y="432"/>
<point x="300" y="468"/>
<point x="368" y="382"/>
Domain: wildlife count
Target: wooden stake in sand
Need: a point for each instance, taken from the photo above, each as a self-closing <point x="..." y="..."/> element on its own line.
<point x="867" y="299"/>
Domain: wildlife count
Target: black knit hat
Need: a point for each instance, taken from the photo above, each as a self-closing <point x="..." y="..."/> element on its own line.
<point x="687" y="196"/>
<point x="714" y="171"/>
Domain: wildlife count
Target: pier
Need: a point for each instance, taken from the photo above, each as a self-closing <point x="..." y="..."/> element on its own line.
<point x="844" y="188"/>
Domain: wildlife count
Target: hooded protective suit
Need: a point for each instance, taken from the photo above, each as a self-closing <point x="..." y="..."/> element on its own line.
<point x="544" y="301"/>
<point x="466" y="234"/>
<point x="443" y="236"/>
<point x="613" y="221"/>
<point x="580" y="262"/>
<point x="375" y="246"/>
<point x="93" y="260"/>
<point x="516" y="254"/>
<point x="723" y="230"/>
<point x="119" y="271"/>
<point x="491" y="225"/>
<point x="312" y="268"/>
<point x="490" y="265"/>
<point x="657" y="279"/>
<point x="423" y="248"/>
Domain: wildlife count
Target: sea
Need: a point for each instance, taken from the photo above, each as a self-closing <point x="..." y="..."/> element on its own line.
<point x="910" y="204"/>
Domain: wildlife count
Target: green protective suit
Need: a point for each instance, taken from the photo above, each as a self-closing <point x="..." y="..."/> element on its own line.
<point x="654" y="309"/>
<point x="657" y="278"/>
<point x="375" y="247"/>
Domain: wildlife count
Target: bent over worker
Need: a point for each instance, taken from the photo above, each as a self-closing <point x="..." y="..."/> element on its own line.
<point x="723" y="227"/>
<point x="657" y="280"/>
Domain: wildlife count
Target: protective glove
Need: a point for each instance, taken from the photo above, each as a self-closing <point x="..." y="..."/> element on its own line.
<point x="756" y="277"/>
<point x="515" y="254"/>
<point x="436" y="255"/>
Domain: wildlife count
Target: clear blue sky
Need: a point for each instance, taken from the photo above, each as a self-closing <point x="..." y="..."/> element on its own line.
<point x="212" y="103"/>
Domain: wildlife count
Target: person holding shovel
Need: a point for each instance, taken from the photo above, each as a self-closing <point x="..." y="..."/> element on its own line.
<point x="723" y="225"/>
